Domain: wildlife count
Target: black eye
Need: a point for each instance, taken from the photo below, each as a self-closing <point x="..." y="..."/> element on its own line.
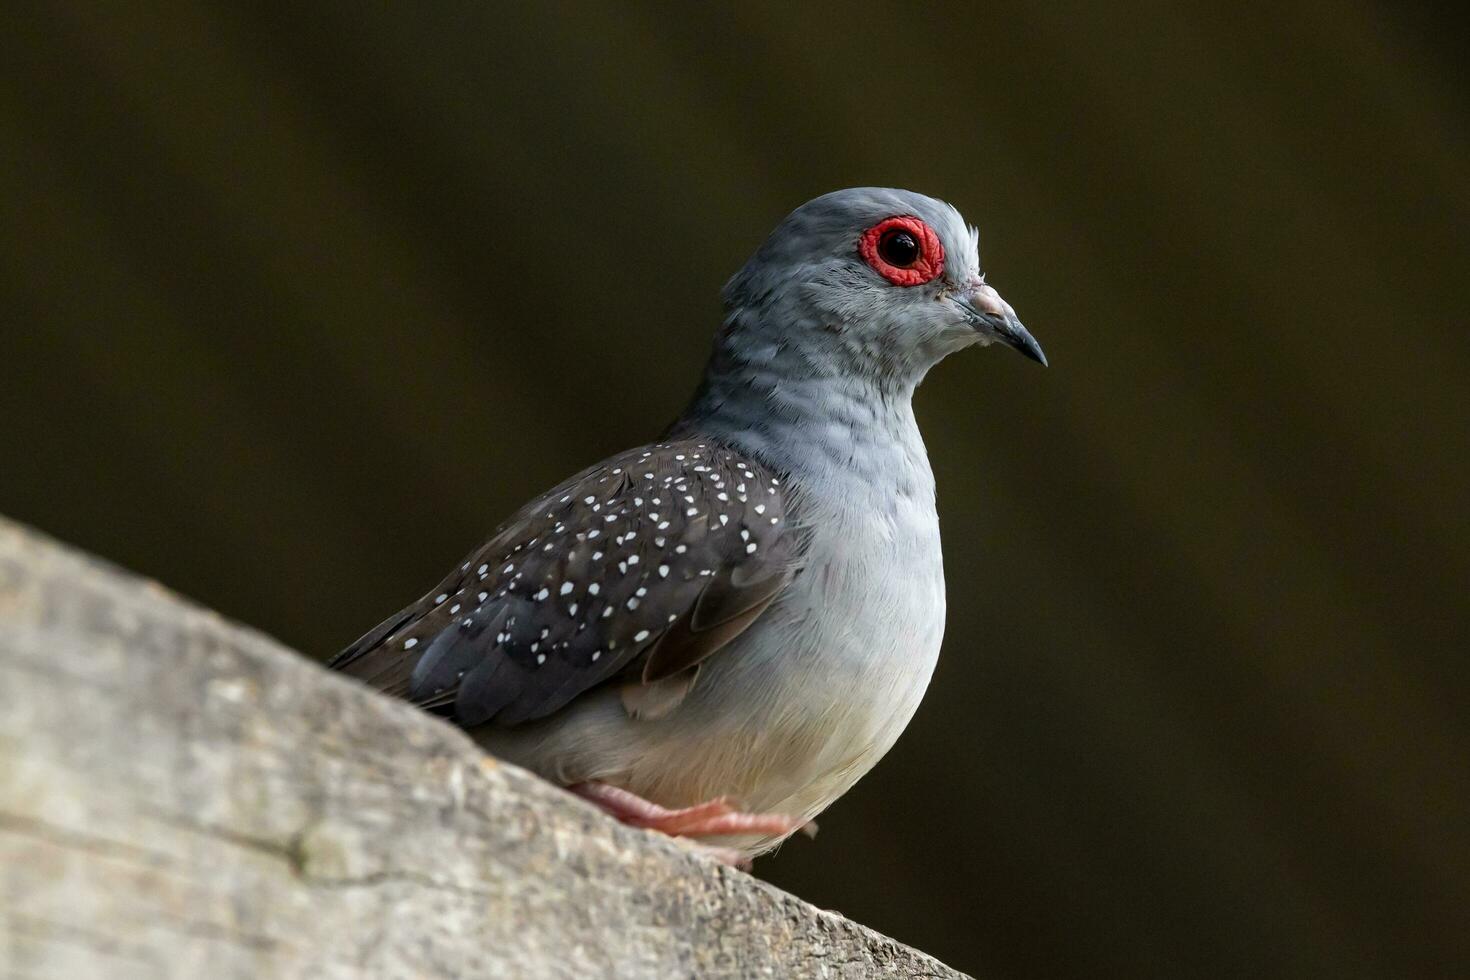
<point x="898" y="248"/>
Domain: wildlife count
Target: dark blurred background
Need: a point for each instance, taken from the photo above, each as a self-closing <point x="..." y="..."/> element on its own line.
<point x="299" y="300"/>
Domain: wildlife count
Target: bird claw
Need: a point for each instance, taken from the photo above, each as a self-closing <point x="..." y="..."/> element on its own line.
<point x="714" y="818"/>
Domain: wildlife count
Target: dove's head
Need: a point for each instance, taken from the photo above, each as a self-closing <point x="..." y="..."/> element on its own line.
<point x="868" y="283"/>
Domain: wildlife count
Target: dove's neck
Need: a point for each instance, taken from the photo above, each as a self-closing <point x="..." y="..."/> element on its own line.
<point x="836" y="430"/>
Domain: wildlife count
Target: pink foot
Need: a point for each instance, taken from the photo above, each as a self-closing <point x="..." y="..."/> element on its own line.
<point x="717" y="817"/>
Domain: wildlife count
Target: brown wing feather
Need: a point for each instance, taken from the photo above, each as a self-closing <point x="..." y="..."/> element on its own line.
<point x="634" y="570"/>
<point x="721" y="613"/>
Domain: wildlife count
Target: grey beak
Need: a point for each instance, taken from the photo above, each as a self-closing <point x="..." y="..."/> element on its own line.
<point x="990" y="314"/>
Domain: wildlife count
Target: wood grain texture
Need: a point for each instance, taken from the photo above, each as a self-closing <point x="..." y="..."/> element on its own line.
<point x="182" y="797"/>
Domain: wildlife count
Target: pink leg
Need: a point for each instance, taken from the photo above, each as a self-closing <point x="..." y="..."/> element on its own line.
<point x="717" y="817"/>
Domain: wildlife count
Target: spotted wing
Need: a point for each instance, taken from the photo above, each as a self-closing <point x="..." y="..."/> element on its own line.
<point x="635" y="570"/>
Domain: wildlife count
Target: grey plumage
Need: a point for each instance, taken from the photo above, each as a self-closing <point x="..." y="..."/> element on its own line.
<point x="752" y="607"/>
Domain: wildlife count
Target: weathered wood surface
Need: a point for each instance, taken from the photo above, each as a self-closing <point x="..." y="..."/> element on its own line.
<point x="182" y="797"/>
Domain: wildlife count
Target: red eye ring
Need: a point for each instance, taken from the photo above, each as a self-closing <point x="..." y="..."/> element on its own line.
<point x="929" y="263"/>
